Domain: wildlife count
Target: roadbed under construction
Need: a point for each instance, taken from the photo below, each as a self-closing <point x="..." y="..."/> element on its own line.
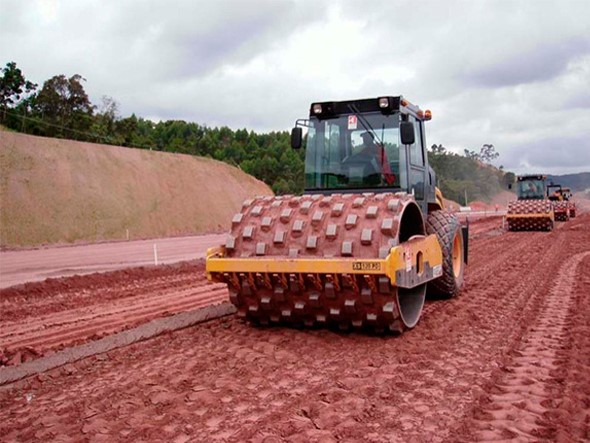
<point x="509" y="358"/>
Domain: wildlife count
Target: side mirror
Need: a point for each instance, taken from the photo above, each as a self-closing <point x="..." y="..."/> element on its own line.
<point x="296" y="137"/>
<point x="406" y="130"/>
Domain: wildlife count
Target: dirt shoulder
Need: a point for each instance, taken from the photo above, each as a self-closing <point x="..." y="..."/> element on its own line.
<point x="24" y="266"/>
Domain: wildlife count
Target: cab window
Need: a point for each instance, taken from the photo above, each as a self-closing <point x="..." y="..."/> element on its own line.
<point x="416" y="151"/>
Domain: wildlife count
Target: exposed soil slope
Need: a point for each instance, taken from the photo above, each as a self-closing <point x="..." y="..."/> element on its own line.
<point x="61" y="191"/>
<point x="508" y="359"/>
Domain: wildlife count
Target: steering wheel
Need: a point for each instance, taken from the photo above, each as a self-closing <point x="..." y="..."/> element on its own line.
<point x="372" y="171"/>
<point x="362" y="158"/>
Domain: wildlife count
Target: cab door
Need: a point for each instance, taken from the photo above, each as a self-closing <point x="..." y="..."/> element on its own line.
<point x="417" y="165"/>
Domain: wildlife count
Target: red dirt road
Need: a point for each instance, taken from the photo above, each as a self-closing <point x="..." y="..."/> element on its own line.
<point x="508" y="359"/>
<point x="17" y="267"/>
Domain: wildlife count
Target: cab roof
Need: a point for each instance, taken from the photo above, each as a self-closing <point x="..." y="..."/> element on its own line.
<point x="531" y="177"/>
<point x="383" y="104"/>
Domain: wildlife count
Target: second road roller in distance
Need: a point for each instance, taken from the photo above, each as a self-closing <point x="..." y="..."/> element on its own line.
<point x="563" y="208"/>
<point x="532" y="210"/>
<point x="556" y="196"/>
<point x="367" y="239"/>
<point x="568" y="197"/>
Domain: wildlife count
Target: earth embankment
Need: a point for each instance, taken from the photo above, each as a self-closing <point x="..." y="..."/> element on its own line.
<point x="56" y="191"/>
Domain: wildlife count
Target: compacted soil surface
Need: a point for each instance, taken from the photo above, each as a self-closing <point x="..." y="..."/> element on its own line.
<point x="506" y="360"/>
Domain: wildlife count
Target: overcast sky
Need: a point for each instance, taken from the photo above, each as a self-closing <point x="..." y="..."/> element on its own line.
<point x="515" y="74"/>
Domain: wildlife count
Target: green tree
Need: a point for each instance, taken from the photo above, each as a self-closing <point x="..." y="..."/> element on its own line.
<point x="64" y="105"/>
<point x="126" y="130"/>
<point x="438" y="149"/>
<point x="488" y="153"/>
<point x="471" y="154"/>
<point x="460" y="175"/>
<point x="103" y="126"/>
<point x="13" y="85"/>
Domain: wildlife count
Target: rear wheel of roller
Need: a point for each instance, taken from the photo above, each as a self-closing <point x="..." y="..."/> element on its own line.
<point x="447" y="229"/>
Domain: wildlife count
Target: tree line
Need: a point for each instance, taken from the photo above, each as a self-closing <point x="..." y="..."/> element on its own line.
<point x="470" y="176"/>
<point x="61" y="108"/>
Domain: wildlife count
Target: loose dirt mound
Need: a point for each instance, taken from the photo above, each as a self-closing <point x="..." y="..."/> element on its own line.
<point x="61" y="191"/>
<point x="509" y="358"/>
<point x="40" y="318"/>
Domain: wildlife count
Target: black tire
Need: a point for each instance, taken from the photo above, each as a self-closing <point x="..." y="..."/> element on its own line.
<point x="447" y="229"/>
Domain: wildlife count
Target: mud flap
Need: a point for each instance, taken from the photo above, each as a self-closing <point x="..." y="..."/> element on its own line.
<point x="465" y="232"/>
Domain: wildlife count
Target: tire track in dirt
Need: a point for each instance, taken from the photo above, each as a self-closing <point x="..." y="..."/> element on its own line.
<point x="527" y="384"/>
<point x="572" y="238"/>
<point x="571" y="412"/>
<point x="492" y="300"/>
<point x="486" y="240"/>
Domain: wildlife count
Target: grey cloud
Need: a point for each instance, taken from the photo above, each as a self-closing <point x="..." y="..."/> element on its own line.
<point x="232" y="44"/>
<point x="12" y="23"/>
<point x="542" y="63"/>
<point x="550" y="154"/>
<point x="242" y="31"/>
<point x="580" y="100"/>
<point x="149" y="41"/>
<point x="492" y="72"/>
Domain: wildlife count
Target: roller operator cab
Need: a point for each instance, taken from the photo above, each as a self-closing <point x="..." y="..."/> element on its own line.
<point x="531" y="187"/>
<point x="363" y="243"/>
<point x="370" y="145"/>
